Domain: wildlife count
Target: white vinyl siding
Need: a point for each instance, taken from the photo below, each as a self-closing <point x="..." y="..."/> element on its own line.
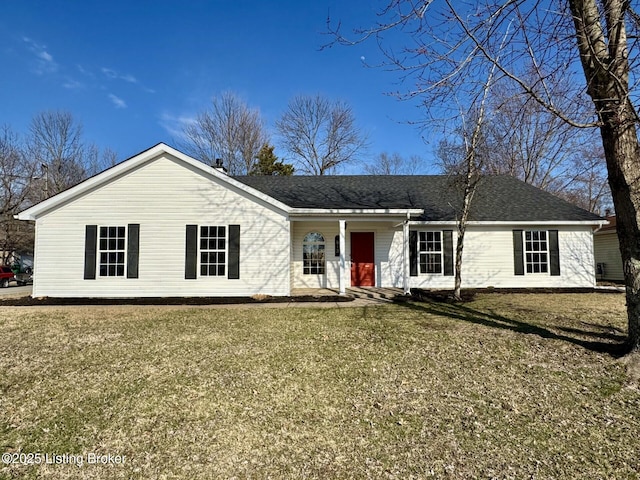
<point x="163" y="196"/>
<point x="607" y="250"/>
<point x="488" y="259"/>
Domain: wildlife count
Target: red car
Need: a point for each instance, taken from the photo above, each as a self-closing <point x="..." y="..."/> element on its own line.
<point x="6" y="275"/>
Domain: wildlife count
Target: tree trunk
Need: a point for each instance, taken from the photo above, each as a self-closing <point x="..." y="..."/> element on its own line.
<point x="602" y="43"/>
<point x="469" y="190"/>
<point x="623" y="163"/>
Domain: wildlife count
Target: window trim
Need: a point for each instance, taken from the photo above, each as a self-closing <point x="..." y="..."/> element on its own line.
<point x="526" y="252"/>
<point x="107" y="251"/>
<point x="225" y="251"/>
<point x="322" y="243"/>
<point x="427" y="252"/>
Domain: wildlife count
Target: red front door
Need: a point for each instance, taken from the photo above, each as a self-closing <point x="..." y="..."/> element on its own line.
<point x="363" y="270"/>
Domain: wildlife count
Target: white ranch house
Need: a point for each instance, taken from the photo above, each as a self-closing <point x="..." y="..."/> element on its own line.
<point x="164" y="224"/>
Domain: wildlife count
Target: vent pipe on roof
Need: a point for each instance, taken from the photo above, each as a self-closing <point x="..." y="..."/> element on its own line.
<point x="219" y="166"/>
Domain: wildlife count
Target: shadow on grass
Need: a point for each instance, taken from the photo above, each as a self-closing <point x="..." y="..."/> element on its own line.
<point x="599" y="338"/>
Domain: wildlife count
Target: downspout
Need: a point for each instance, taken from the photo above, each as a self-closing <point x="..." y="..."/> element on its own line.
<point x="405" y="256"/>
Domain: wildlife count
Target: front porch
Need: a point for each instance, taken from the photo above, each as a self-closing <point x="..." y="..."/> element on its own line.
<point x="373" y="293"/>
<point x="365" y="254"/>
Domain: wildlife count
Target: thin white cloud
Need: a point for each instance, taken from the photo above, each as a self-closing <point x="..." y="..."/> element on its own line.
<point x="175" y="125"/>
<point x="129" y="78"/>
<point x="84" y="71"/>
<point x="117" y="101"/>
<point x="43" y="62"/>
<point x="46" y="56"/>
<point x="72" y="84"/>
<point x="114" y="75"/>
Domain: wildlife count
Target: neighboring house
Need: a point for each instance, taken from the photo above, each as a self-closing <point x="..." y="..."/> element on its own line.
<point x="164" y="224"/>
<point x="607" y="253"/>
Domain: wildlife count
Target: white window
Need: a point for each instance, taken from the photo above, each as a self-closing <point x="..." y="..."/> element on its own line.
<point x="112" y="251"/>
<point x="430" y="252"/>
<point x="313" y="260"/>
<point x="213" y="250"/>
<point x="536" y="250"/>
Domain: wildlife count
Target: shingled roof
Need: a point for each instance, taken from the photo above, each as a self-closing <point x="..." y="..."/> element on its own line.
<point x="498" y="198"/>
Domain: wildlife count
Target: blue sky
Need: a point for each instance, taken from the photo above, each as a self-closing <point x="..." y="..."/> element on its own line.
<point x="132" y="71"/>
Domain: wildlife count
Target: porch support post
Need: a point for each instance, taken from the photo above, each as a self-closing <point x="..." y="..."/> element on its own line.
<point x="343" y="263"/>
<point x="405" y="257"/>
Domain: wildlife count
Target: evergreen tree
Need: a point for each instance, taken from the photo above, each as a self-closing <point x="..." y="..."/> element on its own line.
<point x="267" y="163"/>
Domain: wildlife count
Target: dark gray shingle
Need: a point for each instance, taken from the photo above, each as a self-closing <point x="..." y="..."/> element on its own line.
<point x="499" y="198"/>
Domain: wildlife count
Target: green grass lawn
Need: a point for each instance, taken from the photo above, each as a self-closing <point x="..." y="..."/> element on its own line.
<point x="506" y="386"/>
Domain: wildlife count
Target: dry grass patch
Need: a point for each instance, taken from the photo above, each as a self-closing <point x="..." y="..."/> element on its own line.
<point x="507" y="386"/>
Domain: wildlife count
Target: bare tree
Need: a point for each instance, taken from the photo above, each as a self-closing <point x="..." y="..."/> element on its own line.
<point x="393" y="164"/>
<point x="17" y="174"/>
<point x="229" y="130"/>
<point x="526" y="141"/>
<point x="97" y="161"/>
<point x="587" y="187"/>
<point x="449" y="43"/>
<point x="472" y="165"/>
<point x="55" y="144"/>
<point x="320" y="134"/>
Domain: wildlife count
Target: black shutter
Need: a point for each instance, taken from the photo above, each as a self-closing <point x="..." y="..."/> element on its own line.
<point x="337" y="245"/>
<point x="133" y="248"/>
<point x="447" y="251"/>
<point x="191" y="252"/>
<point x="413" y="253"/>
<point x="90" y="247"/>
<point x="518" y="254"/>
<point x="554" y="253"/>
<point x="234" y="252"/>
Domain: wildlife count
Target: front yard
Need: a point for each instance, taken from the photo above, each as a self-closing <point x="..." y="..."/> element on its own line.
<point x="506" y="386"/>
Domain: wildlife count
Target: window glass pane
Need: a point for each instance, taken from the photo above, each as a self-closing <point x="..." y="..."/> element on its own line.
<point x="212" y="246"/>
<point x="430" y="252"/>
<point x="313" y="254"/>
<point x="112" y="246"/>
<point x="313" y="237"/>
<point x="536" y="251"/>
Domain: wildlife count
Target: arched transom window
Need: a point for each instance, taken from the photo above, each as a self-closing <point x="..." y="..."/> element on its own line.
<point x="313" y="254"/>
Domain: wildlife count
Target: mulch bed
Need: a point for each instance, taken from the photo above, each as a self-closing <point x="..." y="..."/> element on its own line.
<point x="468" y="294"/>
<point x="29" y="301"/>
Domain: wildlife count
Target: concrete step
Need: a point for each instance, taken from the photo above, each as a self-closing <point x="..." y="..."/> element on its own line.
<point x="375" y="293"/>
